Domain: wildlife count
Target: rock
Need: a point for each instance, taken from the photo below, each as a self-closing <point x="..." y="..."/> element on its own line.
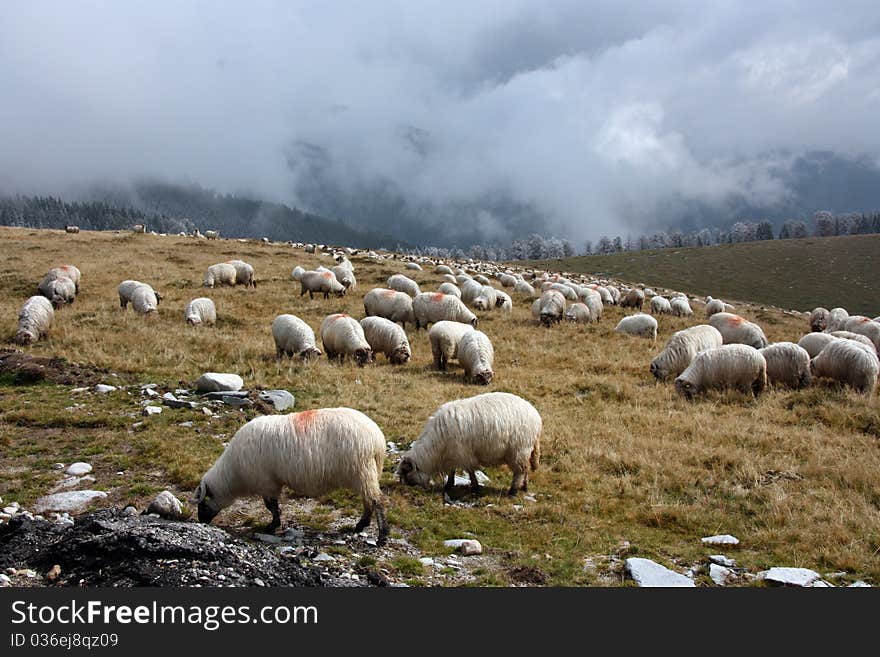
<point x="53" y="573"/>
<point x="103" y="388"/>
<point x="167" y="506"/>
<point x="293" y="535"/>
<point x="720" y="539"/>
<point x="259" y="582"/>
<point x="268" y="538"/>
<point x="151" y="410"/>
<point x="10" y="510"/>
<point x="789" y="576"/>
<point x="391" y="447"/>
<point x="77" y="390"/>
<point x="78" y="469"/>
<point x="280" y="399"/>
<point x="426" y="561"/>
<point x="71" y="482"/>
<point x="207" y="411"/>
<point x="822" y="584"/>
<point x="149" y="386"/>
<point x="178" y="403"/>
<point x="181" y="391"/>
<point x="720" y="575"/>
<point x="323" y="557"/>
<point x="129" y="511"/>
<point x="220" y="395"/>
<point x="186" y="425"/>
<point x="721" y="560"/>
<point x="4" y="580"/>
<point x="149" y="392"/>
<point x="217" y="381"/>
<point x="858" y="585"/>
<point x="465" y="480"/>
<point x="4" y="516"/>
<point x="58" y="466"/>
<point x="236" y="402"/>
<point x="465" y="546"/>
<point x="648" y="573"/>
<point x="72" y="501"/>
<point x="169" y="396"/>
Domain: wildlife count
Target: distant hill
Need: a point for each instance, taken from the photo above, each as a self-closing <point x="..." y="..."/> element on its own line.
<point x="794" y="274"/>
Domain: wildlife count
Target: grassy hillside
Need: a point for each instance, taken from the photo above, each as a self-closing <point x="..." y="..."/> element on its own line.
<point x="628" y="468"/>
<point x="799" y="274"/>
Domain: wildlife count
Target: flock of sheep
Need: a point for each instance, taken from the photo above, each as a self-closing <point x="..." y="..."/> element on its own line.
<point x="315" y="451"/>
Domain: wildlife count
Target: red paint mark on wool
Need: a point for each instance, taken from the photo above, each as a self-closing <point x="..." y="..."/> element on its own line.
<point x="736" y="321"/>
<point x="389" y="293"/>
<point x="302" y="420"/>
<point x="438" y="296"/>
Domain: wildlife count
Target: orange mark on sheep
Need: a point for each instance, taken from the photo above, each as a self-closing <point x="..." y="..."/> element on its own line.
<point x="327" y="274"/>
<point x="438" y="296"/>
<point x="303" y="420"/>
<point x="389" y="293"/>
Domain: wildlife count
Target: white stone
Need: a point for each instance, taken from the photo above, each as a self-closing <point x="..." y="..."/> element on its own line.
<point x="822" y="584"/>
<point x="648" y="573"/>
<point x="207" y="411"/>
<point x="720" y="539"/>
<point x="719" y="574"/>
<point x="392" y="447"/>
<point x="149" y="392"/>
<point x="79" y="469"/>
<point x="426" y="561"/>
<point x="465" y="480"/>
<point x="465" y="546"/>
<point x="721" y="560"/>
<point x="859" y="584"/>
<point x="75" y="390"/>
<point x="151" y="410"/>
<point x="323" y="556"/>
<point x="790" y="576"/>
<point x="103" y="388"/>
<point x="4" y="580"/>
<point x="166" y="505"/>
<point x="217" y="381"/>
<point x="73" y="501"/>
<point x="10" y="510"/>
<point x="186" y="424"/>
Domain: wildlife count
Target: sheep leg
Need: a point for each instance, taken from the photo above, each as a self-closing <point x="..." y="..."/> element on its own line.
<point x="383" y="524"/>
<point x="367" y="515"/>
<point x="450" y="481"/>
<point x="272" y="504"/>
<point x="475" y="485"/>
<point x="519" y="476"/>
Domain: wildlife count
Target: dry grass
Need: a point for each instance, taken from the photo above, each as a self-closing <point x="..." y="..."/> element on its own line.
<point x="795" y="475"/>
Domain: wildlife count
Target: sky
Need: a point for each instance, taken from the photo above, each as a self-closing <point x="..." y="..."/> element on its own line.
<point x="591" y="111"/>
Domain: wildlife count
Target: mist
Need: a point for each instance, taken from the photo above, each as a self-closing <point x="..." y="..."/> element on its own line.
<point x="592" y="114"/>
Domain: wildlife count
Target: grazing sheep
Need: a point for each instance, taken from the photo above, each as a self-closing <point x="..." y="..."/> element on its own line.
<point x="565" y="289"/>
<point x="443" y="269"/>
<point x="819" y="319"/>
<point x="297" y="272"/>
<point x="787" y="365"/>
<point x="680" y="307"/>
<point x="490" y="429"/>
<point x="431" y="307"/>
<point x="401" y="283"/>
<point x="503" y="302"/>
<point x="681" y="349"/>
<point x="414" y="266"/>
<point x="461" y="277"/>
<point x="604" y="294"/>
<point x="144" y="300"/>
<point x="445" y="337"/>
<point x="836" y="319"/>
<point x="345" y="276"/>
<point x="323" y="282"/>
<point x="714" y="306"/>
<point x="58" y="289"/>
<point x="71" y="229"/>
<point x="536" y="309"/>
<point x="736" y="330"/>
<point x="551" y="307"/>
<point x="244" y="273"/>
<point x="449" y="288"/>
<point x="312" y="453"/>
<point x="69" y="271"/>
<point x="390" y="304"/>
<point x="524" y="289"/>
<point x="476" y="356"/>
<point x="864" y="326"/>
<point x="482" y="280"/>
<point x="593" y="301"/>
<point x="449" y="278"/>
<point x="640" y="324"/>
<point x="635" y="298"/>
<point x="813" y="343"/>
<point x="200" y="311"/>
<point x="212" y="234"/>
<point x="139" y="228"/>
<point x="856" y="337"/>
<point x="470" y="290"/>
<point x="578" y="312"/>
<point x="848" y="362"/>
<point x="661" y="306"/>
<point x="615" y="294"/>
<point x="729" y="366"/>
<point x="386" y="337"/>
<point x="34" y="320"/>
<point x="293" y="337"/>
<point x="486" y="299"/>
<point x="342" y="337"/>
<point x="222" y="273"/>
<point x="507" y="280"/>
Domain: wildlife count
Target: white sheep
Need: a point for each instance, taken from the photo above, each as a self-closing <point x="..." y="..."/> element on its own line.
<point x="482" y="280"/>
<point x="449" y="278"/>
<point x="200" y="311"/>
<point x="127" y="287"/>
<point x="507" y="280"/>
<point x="144" y="300"/>
<point x="470" y="290"/>
<point x="550" y="307"/>
<point x="714" y="306"/>
<point x="787" y="365"/>
<point x="311" y="452"/>
<point x="69" y="271"/>
<point x="461" y="277"/>
<point x="729" y="366"/>
<point x="293" y="337"/>
<point x="343" y="337"/>
<point x="565" y="289"/>
<point x="57" y="289"/>
<point x="212" y="234"/>
<point x="244" y="273"/>
<point x="525" y="289"/>
<point x="864" y="326"/>
<point x="736" y="330"/>
<point x="836" y="319"/>
<point x="680" y="307"/>
<point x="476" y="355"/>
<point x="681" y="349"/>
<point x="323" y="282"/>
<point x="615" y="294"/>
<point x="414" y="266"/>
<point x="503" y="302"/>
<point x="386" y="337"/>
<point x="640" y="324"/>
<point x="593" y="301"/>
<point x="635" y="298"/>
<point x="402" y="283"/>
<point x="819" y="319"/>
<point x="222" y="273"/>
<point x="490" y="429"/>
<point x="297" y="272"/>
<point x="486" y="299"/>
<point x="578" y="312"/>
<point x="445" y="337"/>
<point x="443" y="269"/>
<point x="813" y="343"/>
<point x="345" y="276"/>
<point x="34" y="320"/>
<point x="449" y="288"/>
<point x="848" y="362"/>
<point x="661" y="305"/>
<point x="390" y="304"/>
<point x="431" y="307"/>
<point x="604" y="294"/>
<point x="856" y="337"/>
<point x="71" y="229"/>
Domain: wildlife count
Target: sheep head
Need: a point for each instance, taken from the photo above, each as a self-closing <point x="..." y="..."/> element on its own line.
<point x="208" y="507"/>
<point x="685" y="388"/>
<point x="409" y="473"/>
<point x="363" y="357"/>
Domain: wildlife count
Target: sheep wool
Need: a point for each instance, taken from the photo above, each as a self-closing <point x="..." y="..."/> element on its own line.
<point x="866" y="326"/>
<point x="633" y="299"/>
<point x="788" y="365"/>
<point x="431" y="307"/>
<point x="640" y="324"/>
<point x="661" y="305"/>
<point x="402" y="283"/>
<point x="222" y="273"/>
<point x="550" y="306"/>
<point x="503" y="302"/>
<point x="297" y="272"/>
<point x="390" y="304"/>
<point x="311" y="452"/>
<point x="293" y="337"/>
<point x="813" y="343"/>
<point x="856" y="337"/>
<point x="525" y="289"/>
<point x="819" y="319"/>
<point x="449" y="288"/>
<point x="714" y="306"/>
<point x="445" y="337"/>
<point x="200" y="311"/>
<point x="470" y="290"/>
<point x="343" y="337"/>
<point x="837" y="319"/>
<point x="578" y="312"/>
<point x="494" y="428"/>
<point x="386" y="337"/>
<point x="486" y="299"/>
<point x="728" y="366"/>
<point x="680" y="307"/>
<point x="323" y="282"/>
<point x="476" y="355"/>
<point x="850" y="363"/>
<point x="144" y="300"/>
<point x="681" y="349"/>
<point x="736" y="330"/>
<point x="345" y="276"/>
<point x="244" y="273"/>
<point x="34" y="320"/>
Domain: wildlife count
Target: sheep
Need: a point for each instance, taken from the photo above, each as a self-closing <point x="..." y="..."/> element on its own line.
<point x="680" y="307"/>
<point x="578" y="312"/>
<point x="244" y="273"/>
<point x="615" y="294"/>
<point x="524" y="289"/>
<point x="593" y="301"/>
<point x="813" y="343"/>
<point x="482" y="280"/>
<point x="788" y="365"/>
<point x="222" y="273"/>
<point x="536" y="309"/>
<point x="390" y="304"/>
<point x="503" y="302"/>
<point x="848" y="362"/>
<point x="414" y="266"/>
<point x="144" y="300"/>
<point x="344" y="263"/>
<point x="476" y="355"/>
<point x="490" y="429"/>
<point x="345" y="276"/>
<point x="635" y="298"/>
<point x="551" y="306"/>
<point x="127" y="287"/>
<point x="386" y="337"/>
<point x="449" y="288"/>
<point x="200" y="311"/>
<point x="320" y="281"/>
<point x="139" y="228"/>
<point x="293" y="337"/>
<point x="445" y="336"/>
<point x="34" y="320"/>
<point x="507" y="280"/>
<point x="431" y="307"/>
<point x="565" y="289"/>
<point x="714" y="306"/>
<point x="819" y="319"/>
<point x="449" y="278"/>
<point x="470" y="290"/>
<point x="312" y="453"/>
<point x="661" y="305"/>
<point x="297" y="272"/>
<point x="836" y="319"/>
<point x="604" y="294"/>
<point x="639" y="324"/>
<point x="212" y="234"/>
<point x="728" y="366"/>
<point x="342" y="337"/>
<point x="486" y="299"/>
<point x="71" y="229"/>
<point x="401" y="283"/>
<point x="57" y="288"/>
<point x="736" y="330"/>
<point x="864" y="326"/>
<point x="681" y="349"/>
<point x="461" y="277"/>
<point x="443" y="269"/>
<point x="856" y="337"/>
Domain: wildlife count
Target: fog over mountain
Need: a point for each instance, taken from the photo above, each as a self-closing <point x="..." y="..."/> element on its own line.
<point x="451" y="122"/>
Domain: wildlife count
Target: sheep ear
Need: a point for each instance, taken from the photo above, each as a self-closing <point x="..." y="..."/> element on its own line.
<point x="200" y="493"/>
